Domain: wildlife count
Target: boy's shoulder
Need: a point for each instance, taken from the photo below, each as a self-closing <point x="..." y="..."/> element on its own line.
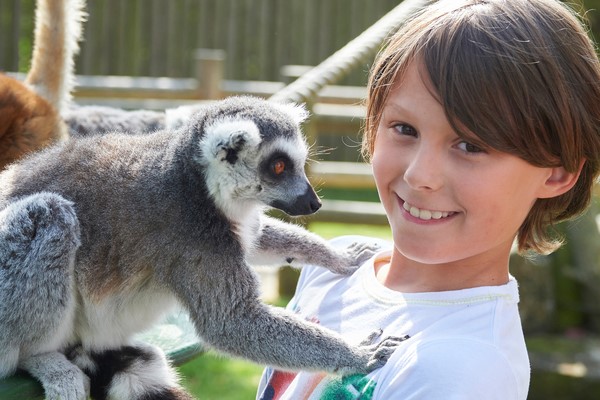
<point x="443" y="367"/>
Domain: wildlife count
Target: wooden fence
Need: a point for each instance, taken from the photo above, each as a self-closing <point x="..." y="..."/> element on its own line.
<point x="158" y="37"/>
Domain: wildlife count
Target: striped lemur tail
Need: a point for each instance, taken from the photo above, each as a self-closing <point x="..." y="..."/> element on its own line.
<point x="58" y="29"/>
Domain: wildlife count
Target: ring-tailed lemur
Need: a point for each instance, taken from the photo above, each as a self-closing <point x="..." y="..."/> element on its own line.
<point x="165" y="218"/>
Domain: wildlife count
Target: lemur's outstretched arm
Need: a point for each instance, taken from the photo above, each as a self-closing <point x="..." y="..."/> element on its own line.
<point x="237" y="323"/>
<point x="280" y="243"/>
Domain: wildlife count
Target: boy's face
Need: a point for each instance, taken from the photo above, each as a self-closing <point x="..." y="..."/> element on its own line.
<point x="447" y="200"/>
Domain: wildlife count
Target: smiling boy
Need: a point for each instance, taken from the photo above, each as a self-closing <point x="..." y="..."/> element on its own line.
<point x="483" y="128"/>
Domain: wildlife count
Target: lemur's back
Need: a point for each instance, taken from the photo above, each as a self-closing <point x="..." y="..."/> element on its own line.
<point x="127" y="189"/>
<point x="110" y="162"/>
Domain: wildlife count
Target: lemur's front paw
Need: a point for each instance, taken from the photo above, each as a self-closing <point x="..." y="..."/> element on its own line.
<point x="356" y="254"/>
<point x="378" y="352"/>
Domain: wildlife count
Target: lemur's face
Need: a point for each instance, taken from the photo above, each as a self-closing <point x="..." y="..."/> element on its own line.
<point x="246" y="167"/>
<point x="282" y="177"/>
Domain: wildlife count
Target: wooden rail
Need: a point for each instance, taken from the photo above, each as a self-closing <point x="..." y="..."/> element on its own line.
<point x="346" y="175"/>
<point x="338" y="174"/>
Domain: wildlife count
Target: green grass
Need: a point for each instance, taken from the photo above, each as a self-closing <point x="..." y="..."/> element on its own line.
<point x="212" y="377"/>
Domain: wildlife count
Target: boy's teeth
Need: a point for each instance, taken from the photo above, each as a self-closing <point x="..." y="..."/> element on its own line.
<point x="424" y="214"/>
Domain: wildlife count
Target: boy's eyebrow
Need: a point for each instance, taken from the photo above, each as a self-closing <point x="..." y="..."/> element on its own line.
<point x="396" y="106"/>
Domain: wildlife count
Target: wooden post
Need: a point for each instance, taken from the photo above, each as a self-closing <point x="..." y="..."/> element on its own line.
<point x="209" y="72"/>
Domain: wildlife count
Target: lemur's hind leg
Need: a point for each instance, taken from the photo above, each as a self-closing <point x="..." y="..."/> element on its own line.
<point x="61" y="379"/>
<point x="39" y="236"/>
<point x="135" y="372"/>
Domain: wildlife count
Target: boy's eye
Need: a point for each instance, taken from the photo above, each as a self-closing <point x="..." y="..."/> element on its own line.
<point x="469" y="147"/>
<point x="278" y="167"/>
<point x="404" y="129"/>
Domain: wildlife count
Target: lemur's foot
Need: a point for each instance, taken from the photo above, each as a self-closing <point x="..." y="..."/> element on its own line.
<point x="61" y="379"/>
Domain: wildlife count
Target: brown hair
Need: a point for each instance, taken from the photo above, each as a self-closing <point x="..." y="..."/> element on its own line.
<point x="522" y="76"/>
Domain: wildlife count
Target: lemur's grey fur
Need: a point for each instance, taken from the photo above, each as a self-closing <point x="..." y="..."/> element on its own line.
<point x="94" y="120"/>
<point x="165" y="218"/>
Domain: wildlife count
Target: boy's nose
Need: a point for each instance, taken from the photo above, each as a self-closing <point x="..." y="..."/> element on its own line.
<point x="424" y="171"/>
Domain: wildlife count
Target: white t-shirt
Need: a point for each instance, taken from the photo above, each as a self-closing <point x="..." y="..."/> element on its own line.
<point x="464" y="344"/>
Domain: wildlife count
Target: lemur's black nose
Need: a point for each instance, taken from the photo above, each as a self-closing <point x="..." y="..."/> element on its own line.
<point x="305" y="204"/>
<point x="314" y="205"/>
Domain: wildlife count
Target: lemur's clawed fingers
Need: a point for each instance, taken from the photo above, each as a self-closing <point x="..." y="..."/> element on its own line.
<point x="372" y="338"/>
<point x="357" y="253"/>
<point x="381" y="351"/>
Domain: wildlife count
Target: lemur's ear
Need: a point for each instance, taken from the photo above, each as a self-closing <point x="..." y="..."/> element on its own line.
<point x="178" y="117"/>
<point x="225" y="139"/>
<point x="297" y="112"/>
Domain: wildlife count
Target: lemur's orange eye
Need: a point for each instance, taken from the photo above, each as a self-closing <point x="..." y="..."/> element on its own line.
<point x="278" y="167"/>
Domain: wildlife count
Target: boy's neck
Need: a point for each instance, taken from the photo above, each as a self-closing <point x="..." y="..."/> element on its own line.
<point x="404" y="275"/>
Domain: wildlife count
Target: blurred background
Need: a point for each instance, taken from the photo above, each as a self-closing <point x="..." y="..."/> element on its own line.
<point x="157" y="54"/>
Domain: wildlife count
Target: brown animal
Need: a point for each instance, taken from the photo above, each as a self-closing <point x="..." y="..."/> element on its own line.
<point x="28" y="122"/>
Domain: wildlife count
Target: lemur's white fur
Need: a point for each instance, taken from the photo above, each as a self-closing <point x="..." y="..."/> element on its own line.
<point x="298" y="112"/>
<point x="233" y="188"/>
<point x="128" y="313"/>
<point x="224" y="180"/>
<point x="176" y="117"/>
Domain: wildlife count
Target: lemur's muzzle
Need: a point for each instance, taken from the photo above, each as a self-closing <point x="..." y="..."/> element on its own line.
<point x="304" y="204"/>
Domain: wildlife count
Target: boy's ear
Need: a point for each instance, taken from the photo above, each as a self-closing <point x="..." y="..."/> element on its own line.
<point x="560" y="181"/>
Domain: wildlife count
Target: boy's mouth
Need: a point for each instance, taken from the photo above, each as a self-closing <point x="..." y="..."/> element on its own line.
<point x="425" y="214"/>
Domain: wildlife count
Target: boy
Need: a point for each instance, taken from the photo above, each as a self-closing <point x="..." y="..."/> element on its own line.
<point x="482" y="127"/>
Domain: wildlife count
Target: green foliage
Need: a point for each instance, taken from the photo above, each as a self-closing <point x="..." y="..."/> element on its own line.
<point x="592" y="15"/>
<point x="330" y="230"/>
<point x="25" y="44"/>
<point x="349" y="194"/>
